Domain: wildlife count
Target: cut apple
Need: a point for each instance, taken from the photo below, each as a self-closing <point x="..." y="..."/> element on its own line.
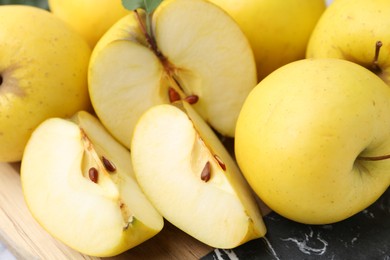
<point x="195" y="48"/>
<point x="190" y="178"/>
<point x="79" y="184"/>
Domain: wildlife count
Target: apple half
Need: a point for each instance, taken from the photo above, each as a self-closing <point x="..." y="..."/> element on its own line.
<point x="79" y="185"/>
<point x="194" y="49"/>
<point x="190" y="178"/>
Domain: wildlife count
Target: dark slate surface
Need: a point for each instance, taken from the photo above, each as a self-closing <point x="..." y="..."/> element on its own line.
<point x="363" y="236"/>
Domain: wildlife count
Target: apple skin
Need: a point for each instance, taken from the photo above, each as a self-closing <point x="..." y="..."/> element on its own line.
<point x="88" y="17"/>
<point x="301" y="131"/>
<point x="349" y="29"/>
<point x="277" y="30"/>
<point x="43" y="73"/>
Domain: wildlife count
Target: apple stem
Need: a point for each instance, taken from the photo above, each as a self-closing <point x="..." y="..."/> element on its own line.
<point x="147" y="31"/>
<point x="375" y="66"/>
<point x="374" y="158"/>
<point x="1" y="80"/>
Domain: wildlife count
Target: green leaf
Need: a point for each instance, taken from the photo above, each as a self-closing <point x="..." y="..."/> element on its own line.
<point x="148" y="5"/>
<point x="151" y="5"/>
<point x="133" y="4"/>
<point x="38" y="3"/>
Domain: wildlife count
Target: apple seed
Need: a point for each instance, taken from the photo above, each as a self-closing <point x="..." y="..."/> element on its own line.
<point x="173" y="95"/>
<point x="192" y="99"/>
<point x="93" y="174"/>
<point x="220" y="162"/>
<point x="108" y="165"/>
<point x="206" y="172"/>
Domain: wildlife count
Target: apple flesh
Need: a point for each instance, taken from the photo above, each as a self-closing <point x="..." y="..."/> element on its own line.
<point x="79" y="185"/>
<point x="200" y="52"/>
<point x="305" y="137"/>
<point x="191" y="179"/>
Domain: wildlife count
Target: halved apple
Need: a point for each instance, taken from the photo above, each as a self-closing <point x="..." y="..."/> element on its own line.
<point x="190" y="178"/>
<point x="79" y="185"/>
<point x="194" y="49"/>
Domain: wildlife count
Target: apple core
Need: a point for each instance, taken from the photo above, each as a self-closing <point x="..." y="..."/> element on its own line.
<point x="176" y="91"/>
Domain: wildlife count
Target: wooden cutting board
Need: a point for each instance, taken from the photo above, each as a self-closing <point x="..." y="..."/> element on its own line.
<point x="26" y="239"/>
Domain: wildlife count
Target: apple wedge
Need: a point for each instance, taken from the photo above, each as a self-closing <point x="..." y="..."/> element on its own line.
<point x="190" y="178"/>
<point x="79" y="185"/>
<point x="194" y="50"/>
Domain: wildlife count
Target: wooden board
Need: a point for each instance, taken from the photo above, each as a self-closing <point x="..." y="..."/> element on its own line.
<point x="26" y="239"/>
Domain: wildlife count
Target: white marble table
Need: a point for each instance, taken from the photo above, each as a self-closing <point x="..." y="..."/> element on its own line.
<point x="5" y="254"/>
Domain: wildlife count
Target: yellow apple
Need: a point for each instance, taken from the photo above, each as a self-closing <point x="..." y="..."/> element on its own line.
<point x="191" y="179"/>
<point x="43" y="73"/>
<point x="90" y="18"/>
<point x="313" y="140"/>
<point x="78" y="183"/>
<point x="194" y="49"/>
<point x="278" y="30"/>
<point x="352" y="30"/>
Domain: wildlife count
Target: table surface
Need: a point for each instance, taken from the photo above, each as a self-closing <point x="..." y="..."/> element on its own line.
<point x="5" y="254"/>
<point x="365" y="235"/>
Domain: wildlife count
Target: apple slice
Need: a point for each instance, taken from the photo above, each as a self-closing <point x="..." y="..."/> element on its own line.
<point x="194" y="48"/>
<point x="191" y="179"/>
<point x="79" y="185"/>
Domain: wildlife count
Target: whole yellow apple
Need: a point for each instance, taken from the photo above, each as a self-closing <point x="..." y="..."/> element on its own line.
<point x="43" y="73"/>
<point x="355" y="30"/>
<point x="90" y="18"/>
<point x="313" y="137"/>
<point x="278" y="30"/>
